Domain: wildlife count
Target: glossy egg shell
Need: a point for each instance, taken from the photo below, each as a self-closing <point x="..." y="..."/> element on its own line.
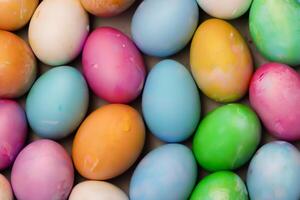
<point x="5" y="189"/>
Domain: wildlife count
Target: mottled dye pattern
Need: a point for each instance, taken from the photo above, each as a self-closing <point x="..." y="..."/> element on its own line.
<point x="5" y="189"/>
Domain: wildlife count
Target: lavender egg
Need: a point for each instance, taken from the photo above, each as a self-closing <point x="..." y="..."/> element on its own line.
<point x="5" y="189"/>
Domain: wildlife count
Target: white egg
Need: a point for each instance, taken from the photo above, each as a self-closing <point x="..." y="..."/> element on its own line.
<point x="5" y="189"/>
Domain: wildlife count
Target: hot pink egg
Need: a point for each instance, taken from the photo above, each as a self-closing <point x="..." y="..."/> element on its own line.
<point x="113" y="66"/>
<point x="275" y="96"/>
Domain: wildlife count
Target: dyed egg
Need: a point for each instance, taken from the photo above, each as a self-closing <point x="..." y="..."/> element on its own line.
<point x="171" y="102"/>
<point x="14" y="14"/>
<point x="168" y="172"/>
<point x="42" y="170"/>
<point x="57" y="31"/>
<point x="220" y="60"/>
<point x="275" y="96"/>
<point x="5" y="189"/>
<point x="113" y="66"/>
<point x="13" y="131"/>
<point x="223" y="185"/>
<point x="97" y="190"/>
<point x="57" y="102"/>
<point x="17" y="65"/>
<point x="163" y="28"/>
<point x="228" y="9"/>
<point x="108" y="142"/>
<point x="274" y="172"/>
<point x="277" y="43"/>
<point x="227" y="137"/>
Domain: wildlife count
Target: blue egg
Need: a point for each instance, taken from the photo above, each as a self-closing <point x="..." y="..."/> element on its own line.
<point x="57" y="102"/>
<point x="166" y="173"/>
<point x="164" y="27"/>
<point x="274" y="172"/>
<point x="171" y="102"/>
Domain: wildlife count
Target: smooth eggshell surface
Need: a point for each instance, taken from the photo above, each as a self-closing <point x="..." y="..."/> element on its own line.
<point x="42" y="171"/>
<point x="5" y="189"/>
<point x="108" y="142"/>
<point x="113" y="66"/>
<point x="58" y="30"/>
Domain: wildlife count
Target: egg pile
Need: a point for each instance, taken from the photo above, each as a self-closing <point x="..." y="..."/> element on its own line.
<point x="180" y="105"/>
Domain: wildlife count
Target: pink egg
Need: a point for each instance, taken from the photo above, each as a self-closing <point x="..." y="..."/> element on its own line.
<point x="275" y="96"/>
<point x="13" y="131"/>
<point x="113" y="66"/>
<point x="42" y="171"/>
<point x="5" y="189"/>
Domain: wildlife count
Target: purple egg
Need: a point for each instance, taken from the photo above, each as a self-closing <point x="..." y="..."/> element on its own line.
<point x="42" y="171"/>
<point x="13" y="131"/>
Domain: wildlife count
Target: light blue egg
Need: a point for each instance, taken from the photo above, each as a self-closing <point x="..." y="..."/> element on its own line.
<point x="166" y="173"/>
<point x="57" y="102"/>
<point x="171" y="102"/>
<point x="274" y="173"/>
<point x="164" y="27"/>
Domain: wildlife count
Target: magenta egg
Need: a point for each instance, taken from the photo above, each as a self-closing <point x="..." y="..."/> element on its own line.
<point x="113" y="66"/>
<point x="13" y="131"/>
<point x="42" y="171"/>
<point x="275" y="96"/>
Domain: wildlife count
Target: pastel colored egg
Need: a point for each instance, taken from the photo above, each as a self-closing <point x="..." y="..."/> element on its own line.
<point x="57" y="102"/>
<point x="97" y="190"/>
<point x="42" y="170"/>
<point x="275" y="42"/>
<point x="17" y="65"/>
<point x="168" y="172"/>
<point x="163" y="28"/>
<point x="108" y="142"/>
<point x="113" y="66"/>
<point x="274" y="172"/>
<point x="13" y="131"/>
<point x="57" y="31"/>
<point x="220" y="185"/>
<point x="14" y="14"/>
<point x="220" y="60"/>
<point x="227" y="137"/>
<point x="5" y="189"/>
<point x="275" y="96"/>
<point x="171" y="102"/>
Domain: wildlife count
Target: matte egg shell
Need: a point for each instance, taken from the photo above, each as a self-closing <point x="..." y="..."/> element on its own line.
<point x="275" y="96"/>
<point x="57" y="102"/>
<point x="274" y="172"/>
<point x="97" y="190"/>
<point x="5" y="189"/>
<point x="220" y="60"/>
<point x="163" y="28"/>
<point x="57" y="31"/>
<point x="13" y="131"/>
<point x="168" y="172"/>
<point x="17" y="66"/>
<point x="42" y="171"/>
<point x="171" y="102"/>
<point x="108" y="142"/>
<point x="113" y="66"/>
<point x="227" y="137"/>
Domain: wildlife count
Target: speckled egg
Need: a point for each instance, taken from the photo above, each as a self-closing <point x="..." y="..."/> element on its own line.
<point x="5" y="189"/>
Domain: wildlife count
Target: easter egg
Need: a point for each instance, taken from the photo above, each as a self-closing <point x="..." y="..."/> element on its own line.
<point x="163" y="28"/>
<point x="275" y="96"/>
<point x="17" y="65"/>
<point x="13" y="131"/>
<point x="14" y="14"/>
<point x="220" y="185"/>
<point x="113" y="66"/>
<point x="97" y="190"/>
<point x="227" y="137"/>
<point x="57" y="31"/>
<point x="108" y="142"/>
<point x="5" y="189"/>
<point x="42" y="170"/>
<point x="57" y="102"/>
<point x="276" y="35"/>
<point x="220" y="60"/>
<point x="168" y="172"/>
<point x="274" y="172"/>
<point x="171" y="102"/>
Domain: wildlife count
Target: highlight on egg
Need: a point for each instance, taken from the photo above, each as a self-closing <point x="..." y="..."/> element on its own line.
<point x="5" y="189"/>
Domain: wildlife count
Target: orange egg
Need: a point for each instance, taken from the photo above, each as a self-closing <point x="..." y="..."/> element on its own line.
<point x="108" y="142"/>
<point x="17" y="66"/>
<point x="14" y="14"/>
